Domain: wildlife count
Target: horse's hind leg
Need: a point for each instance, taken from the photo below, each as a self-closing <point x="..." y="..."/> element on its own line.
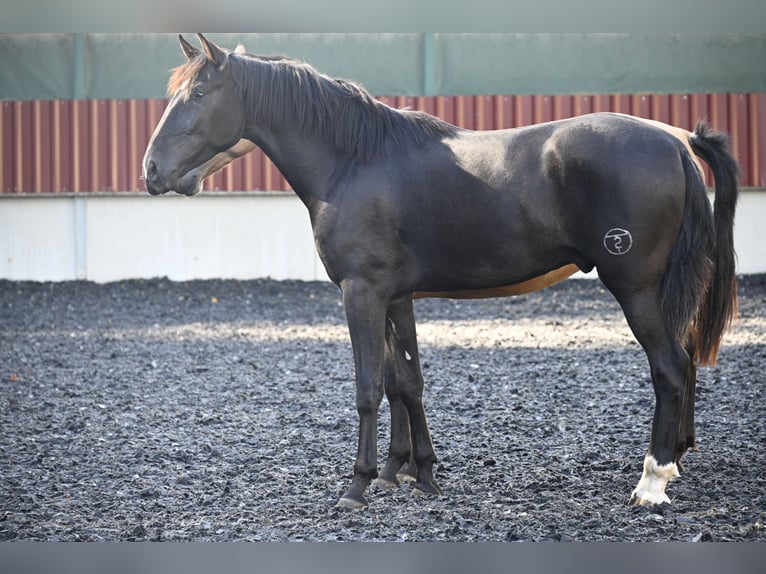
<point x="410" y="438"/>
<point x="400" y="448"/>
<point x="690" y="392"/>
<point x="670" y="366"/>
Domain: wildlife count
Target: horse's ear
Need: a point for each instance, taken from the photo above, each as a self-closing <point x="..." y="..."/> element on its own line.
<point x="189" y="51"/>
<point x="215" y="54"/>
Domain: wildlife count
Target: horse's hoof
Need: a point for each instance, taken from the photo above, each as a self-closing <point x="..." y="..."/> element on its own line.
<point x="351" y="503"/>
<point x="406" y="477"/>
<point x="651" y="488"/>
<point x="427" y="488"/>
<point x="385" y="483"/>
<point x="644" y="498"/>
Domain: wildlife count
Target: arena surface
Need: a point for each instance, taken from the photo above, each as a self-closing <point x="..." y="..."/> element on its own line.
<point x="224" y="410"/>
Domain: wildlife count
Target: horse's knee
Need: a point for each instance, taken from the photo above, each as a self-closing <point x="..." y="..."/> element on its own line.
<point x="368" y="398"/>
<point x="367" y="405"/>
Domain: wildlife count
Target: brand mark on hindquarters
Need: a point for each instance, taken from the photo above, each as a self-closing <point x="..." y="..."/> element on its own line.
<point x="618" y="241"/>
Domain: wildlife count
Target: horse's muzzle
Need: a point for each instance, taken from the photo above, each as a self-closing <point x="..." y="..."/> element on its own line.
<point x="152" y="179"/>
<point x="158" y="183"/>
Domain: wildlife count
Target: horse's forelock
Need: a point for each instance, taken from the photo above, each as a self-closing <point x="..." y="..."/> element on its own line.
<point x="185" y="72"/>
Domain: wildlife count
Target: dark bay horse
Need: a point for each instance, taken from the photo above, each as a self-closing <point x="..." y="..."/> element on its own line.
<point x="405" y="205"/>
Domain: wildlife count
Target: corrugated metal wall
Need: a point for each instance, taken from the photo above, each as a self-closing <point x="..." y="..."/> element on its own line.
<point x="97" y="145"/>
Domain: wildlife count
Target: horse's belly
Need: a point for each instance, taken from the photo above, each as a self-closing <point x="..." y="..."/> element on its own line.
<point x="534" y="284"/>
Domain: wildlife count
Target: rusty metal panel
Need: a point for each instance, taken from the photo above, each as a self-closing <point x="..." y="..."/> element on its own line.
<point x="235" y="175"/>
<point x="98" y="164"/>
<point x="256" y="160"/>
<point x="484" y="113"/>
<point x="543" y="106"/>
<point x="23" y="164"/>
<point x="426" y="104"/>
<point x="699" y="106"/>
<point x="659" y="106"/>
<point x="215" y="182"/>
<point x="138" y="137"/>
<point x="98" y="145"/>
<point x="740" y="126"/>
<point x="758" y="139"/>
<point x="621" y="103"/>
<point x="445" y="108"/>
<point x="406" y="102"/>
<point x="583" y="105"/>
<point x="563" y="107"/>
<point x="464" y="106"/>
<point x="81" y="137"/>
<point x="7" y="148"/>
<point x="719" y="112"/>
<point x="641" y="106"/>
<point x="524" y="111"/>
<point x="62" y="146"/>
<point x="504" y="112"/>
<point x="601" y="103"/>
<point x="126" y="172"/>
<point x="43" y="149"/>
<point x="680" y="111"/>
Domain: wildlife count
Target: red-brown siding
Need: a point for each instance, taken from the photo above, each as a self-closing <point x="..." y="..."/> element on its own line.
<point x="97" y="145"/>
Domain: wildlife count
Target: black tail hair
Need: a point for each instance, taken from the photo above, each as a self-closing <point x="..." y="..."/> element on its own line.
<point x="699" y="290"/>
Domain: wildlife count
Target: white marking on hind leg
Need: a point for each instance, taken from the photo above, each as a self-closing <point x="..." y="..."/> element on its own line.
<point x="407" y="356"/>
<point x="651" y="488"/>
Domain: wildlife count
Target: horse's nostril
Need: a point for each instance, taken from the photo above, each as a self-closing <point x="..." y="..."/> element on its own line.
<point x="151" y="172"/>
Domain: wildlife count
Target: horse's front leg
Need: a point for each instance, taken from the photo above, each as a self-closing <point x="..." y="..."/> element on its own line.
<point x="366" y="314"/>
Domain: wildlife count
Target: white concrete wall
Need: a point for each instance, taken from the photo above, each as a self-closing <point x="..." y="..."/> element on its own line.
<point x="233" y="236"/>
<point x="37" y="238"/>
<point x="750" y="232"/>
<point x="111" y="237"/>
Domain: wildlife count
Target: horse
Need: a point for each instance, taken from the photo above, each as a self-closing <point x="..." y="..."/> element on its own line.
<point x="404" y="205"/>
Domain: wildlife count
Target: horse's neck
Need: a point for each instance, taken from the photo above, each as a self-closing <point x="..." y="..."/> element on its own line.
<point x="306" y="163"/>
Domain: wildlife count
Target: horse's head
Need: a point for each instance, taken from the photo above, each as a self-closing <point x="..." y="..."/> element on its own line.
<point x="202" y="123"/>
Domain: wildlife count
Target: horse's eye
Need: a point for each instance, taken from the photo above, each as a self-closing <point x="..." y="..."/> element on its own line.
<point x="197" y="93"/>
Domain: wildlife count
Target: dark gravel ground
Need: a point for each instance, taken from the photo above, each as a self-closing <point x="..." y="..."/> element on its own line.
<point x="224" y="410"/>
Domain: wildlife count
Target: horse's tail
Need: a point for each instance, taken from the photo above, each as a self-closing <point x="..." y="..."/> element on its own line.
<point x="699" y="291"/>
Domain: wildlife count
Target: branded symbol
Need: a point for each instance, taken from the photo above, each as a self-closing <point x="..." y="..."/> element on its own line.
<point x="618" y="241"/>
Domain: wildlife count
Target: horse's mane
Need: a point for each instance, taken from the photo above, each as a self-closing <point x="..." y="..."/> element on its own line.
<point x="185" y="72"/>
<point x="189" y="69"/>
<point x="289" y="93"/>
